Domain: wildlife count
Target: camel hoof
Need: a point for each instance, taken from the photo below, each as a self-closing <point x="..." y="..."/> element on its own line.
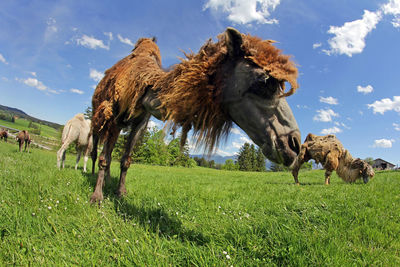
<point x="121" y="192"/>
<point x="298" y="184"/>
<point x="96" y="198"/>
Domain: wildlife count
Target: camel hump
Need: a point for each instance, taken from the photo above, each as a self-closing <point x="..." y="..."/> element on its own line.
<point x="310" y="137"/>
<point x="80" y="116"/>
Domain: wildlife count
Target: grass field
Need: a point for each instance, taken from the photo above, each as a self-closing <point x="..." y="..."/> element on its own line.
<point x="22" y="124"/>
<point x="196" y="217"/>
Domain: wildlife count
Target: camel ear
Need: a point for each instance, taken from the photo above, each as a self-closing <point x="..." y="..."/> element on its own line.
<point x="233" y="42"/>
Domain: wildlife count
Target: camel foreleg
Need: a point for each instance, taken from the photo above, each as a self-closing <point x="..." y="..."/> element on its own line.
<point x="94" y="151"/>
<point x="104" y="164"/>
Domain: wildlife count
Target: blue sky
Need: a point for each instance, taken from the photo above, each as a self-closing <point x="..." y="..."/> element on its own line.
<point x="53" y="53"/>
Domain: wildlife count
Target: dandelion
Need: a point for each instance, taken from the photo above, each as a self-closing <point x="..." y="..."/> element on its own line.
<point x="219" y="207"/>
<point x="57" y="201"/>
<point x="148" y="221"/>
<point x="114" y="240"/>
<point x="127" y="241"/>
<point x="225" y="253"/>
<point x="33" y="214"/>
<point x="177" y="213"/>
<point x="228" y="257"/>
<point x="49" y="207"/>
<point x="77" y="198"/>
<point x="158" y="203"/>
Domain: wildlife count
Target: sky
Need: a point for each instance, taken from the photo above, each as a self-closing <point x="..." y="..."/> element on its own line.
<point x="53" y="54"/>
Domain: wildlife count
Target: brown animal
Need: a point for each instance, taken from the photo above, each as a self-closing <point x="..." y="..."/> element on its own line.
<point x="23" y="137"/>
<point x="239" y="79"/>
<point x="329" y="151"/>
<point x="4" y="135"/>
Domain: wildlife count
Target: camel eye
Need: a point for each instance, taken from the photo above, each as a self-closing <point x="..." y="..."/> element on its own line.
<point x="265" y="86"/>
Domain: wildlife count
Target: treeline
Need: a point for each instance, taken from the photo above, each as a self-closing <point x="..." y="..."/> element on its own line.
<point x="152" y="149"/>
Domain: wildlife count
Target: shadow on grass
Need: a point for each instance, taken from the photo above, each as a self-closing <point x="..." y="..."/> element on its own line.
<point x="155" y="220"/>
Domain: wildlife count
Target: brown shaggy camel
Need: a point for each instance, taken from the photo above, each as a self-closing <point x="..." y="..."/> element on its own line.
<point x="239" y="79"/>
<point x="329" y="151"/>
<point x="4" y="135"/>
<point x="76" y="130"/>
<point x="23" y="137"/>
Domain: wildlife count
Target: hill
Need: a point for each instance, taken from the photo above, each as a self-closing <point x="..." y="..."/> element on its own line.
<point x="24" y="115"/>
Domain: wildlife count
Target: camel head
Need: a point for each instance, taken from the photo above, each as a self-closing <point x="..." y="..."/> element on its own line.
<point x="253" y="97"/>
<point x="365" y="170"/>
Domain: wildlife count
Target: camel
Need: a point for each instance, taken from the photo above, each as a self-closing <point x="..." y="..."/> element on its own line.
<point x="23" y="137"/>
<point x="76" y="130"/>
<point x="329" y="151"/>
<point x="238" y="79"/>
<point x="4" y="135"/>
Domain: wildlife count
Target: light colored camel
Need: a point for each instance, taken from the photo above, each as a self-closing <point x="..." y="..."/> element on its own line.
<point x="76" y="130"/>
<point x="329" y="151"/>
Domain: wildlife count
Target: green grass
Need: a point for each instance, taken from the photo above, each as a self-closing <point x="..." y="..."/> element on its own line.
<point x="196" y="217"/>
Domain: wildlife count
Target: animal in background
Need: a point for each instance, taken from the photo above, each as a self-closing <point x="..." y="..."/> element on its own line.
<point x="4" y="135"/>
<point x="239" y="79"/>
<point x="329" y="151"/>
<point x="76" y="130"/>
<point x="23" y="137"/>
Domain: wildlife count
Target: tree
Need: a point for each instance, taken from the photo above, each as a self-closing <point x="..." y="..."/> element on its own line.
<point x="88" y="113"/>
<point x="229" y="165"/>
<point x="275" y="167"/>
<point x="369" y="160"/>
<point x="260" y="161"/>
<point x="246" y="157"/>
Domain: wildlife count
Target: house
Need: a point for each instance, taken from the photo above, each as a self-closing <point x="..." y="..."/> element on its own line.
<point x="381" y="164"/>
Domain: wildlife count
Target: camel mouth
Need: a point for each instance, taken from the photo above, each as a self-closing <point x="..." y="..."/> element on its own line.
<point x="280" y="153"/>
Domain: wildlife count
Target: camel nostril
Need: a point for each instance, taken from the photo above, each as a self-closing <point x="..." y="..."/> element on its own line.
<point x="294" y="144"/>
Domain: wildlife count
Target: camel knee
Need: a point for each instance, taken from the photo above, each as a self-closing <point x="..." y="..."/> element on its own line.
<point x="103" y="162"/>
<point x="125" y="163"/>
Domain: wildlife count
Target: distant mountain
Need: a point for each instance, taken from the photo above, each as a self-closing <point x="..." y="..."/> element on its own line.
<point x="22" y="114"/>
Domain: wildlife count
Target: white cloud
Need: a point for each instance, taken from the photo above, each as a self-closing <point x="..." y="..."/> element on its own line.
<point x="396" y="126"/>
<point x="2" y="59"/>
<point x="237" y="145"/>
<point x="4" y="79"/>
<point x="316" y="45"/>
<point x="235" y="131"/>
<point x="91" y="42"/>
<point x="332" y="130"/>
<point x="76" y="91"/>
<point x="302" y="106"/>
<point x="365" y="90"/>
<point x="109" y="35"/>
<point x="393" y="8"/>
<point x="350" y="38"/>
<point x="328" y="100"/>
<point x="33" y="82"/>
<point x="383" y="143"/>
<point x="224" y="153"/>
<point x="245" y="139"/>
<point x="96" y="75"/>
<point x="125" y="40"/>
<point x="325" y="115"/>
<point x="245" y="11"/>
<point x="386" y="104"/>
<point x="33" y="73"/>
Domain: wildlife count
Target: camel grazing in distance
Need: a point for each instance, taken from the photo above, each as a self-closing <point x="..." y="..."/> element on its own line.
<point x="23" y="137"/>
<point x="76" y="130"/>
<point x="4" y="135"/>
<point x="239" y="79"/>
<point x="329" y="151"/>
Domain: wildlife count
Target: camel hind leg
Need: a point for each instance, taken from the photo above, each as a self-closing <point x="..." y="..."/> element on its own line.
<point x="138" y="126"/>
<point x="78" y="157"/>
<point x="61" y="154"/>
<point x="85" y="157"/>
<point x="94" y="151"/>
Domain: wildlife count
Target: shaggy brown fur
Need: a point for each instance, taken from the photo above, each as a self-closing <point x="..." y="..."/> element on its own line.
<point x="329" y="151"/>
<point x="4" y="135"/>
<point x="190" y="93"/>
<point x="23" y="137"/>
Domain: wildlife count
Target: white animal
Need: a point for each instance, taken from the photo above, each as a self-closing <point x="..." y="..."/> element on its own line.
<point x="76" y="130"/>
